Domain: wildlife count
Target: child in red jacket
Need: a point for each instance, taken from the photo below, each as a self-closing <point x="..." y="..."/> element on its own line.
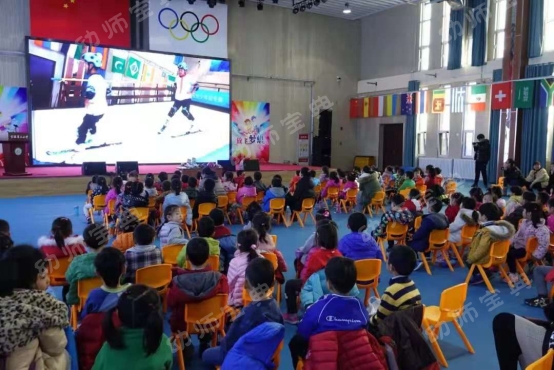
<point x="454" y="207"/>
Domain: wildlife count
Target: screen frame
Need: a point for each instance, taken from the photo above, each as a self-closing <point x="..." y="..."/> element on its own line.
<point x="30" y="97"/>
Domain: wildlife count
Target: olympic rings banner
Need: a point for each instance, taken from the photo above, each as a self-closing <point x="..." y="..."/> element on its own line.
<point x="178" y="27"/>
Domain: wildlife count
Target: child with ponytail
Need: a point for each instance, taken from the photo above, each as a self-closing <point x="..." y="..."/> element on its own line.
<point x="61" y="242"/>
<point x="262" y="225"/>
<point x="247" y="241"/>
<point x="139" y="342"/>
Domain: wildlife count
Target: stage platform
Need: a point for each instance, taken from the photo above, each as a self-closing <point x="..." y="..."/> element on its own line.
<point x="68" y="180"/>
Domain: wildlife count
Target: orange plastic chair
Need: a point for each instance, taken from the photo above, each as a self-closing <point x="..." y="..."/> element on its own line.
<point x="124" y="241"/>
<point x="223" y="204"/>
<point x="551" y="244"/>
<point x="204" y="209"/>
<point x="277" y="207"/>
<point x="349" y="200"/>
<point x="405" y="192"/>
<point x="368" y="277"/>
<point x="170" y="253"/>
<point x="141" y="213"/>
<point x="111" y="212"/>
<point x="500" y="182"/>
<point x="274" y="237"/>
<point x="98" y="205"/>
<point x="260" y="196"/>
<point x="543" y="363"/>
<point x="89" y="193"/>
<point x="184" y="213"/>
<point x="317" y="190"/>
<point x="451" y="188"/>
<point x="332" y="195"/>
<point x="377" y="203"/>
<point x="451" y="308"/>
<point x="56" y="270"/>
<point x="532" y="244"/>
<point x="272" y="257"/>
<point x="498" y="253"/>
<point x="395" y="232"/>
<point x="422" y="189"/>
<point x="466" y="235"/>
<point x="246" y="299"/>
<point x="213" y="263"/>
<point x="438" y="242"/>
<point x="307" y="209"/>
<point x="152" y="202"/>
<point x="84" y="288"/>
<point x="245" y="203"/>
<point x="417" y="222"/>
<point x="157" y="277"/>
<point x="232" y="197"/>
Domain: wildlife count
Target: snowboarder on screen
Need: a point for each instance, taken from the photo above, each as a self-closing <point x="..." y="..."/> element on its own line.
<point x="95" y="94"/>
<point x="185" y="86"/>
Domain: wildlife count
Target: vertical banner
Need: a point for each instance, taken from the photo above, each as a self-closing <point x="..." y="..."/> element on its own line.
<point x="179" y="27"/>
<point x="13" y="112"/>
<point x="250" y="125"/>
<point x="303" y="148"/>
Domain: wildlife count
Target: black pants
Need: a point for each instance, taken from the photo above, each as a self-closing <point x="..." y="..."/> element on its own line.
<point x="185" y="105"/>
<point x="298" y="349"/>
<point x="292" y="290"/>
<point x="480" y="169"/>
<point x="513" y="255"/>
<point x="537" y="186"/>
<point x="505" y="341"/>
<point x="88" y="125"/>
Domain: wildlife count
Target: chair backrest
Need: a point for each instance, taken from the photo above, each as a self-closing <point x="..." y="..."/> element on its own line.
<point x="498" y="253"/>
<point x="422" y="188"/>
<point x="405" y="193"/>
<point x="277" y="204"/>
<point x="351" y="194"/>
<point x="155" y="276"/>
<point x="378" y="197"/>
<point x="317" y="189"/>
<point x="417" y="222"/>
<point x="271" y="257"/>
<point x="232" y="197"/>
<point x="308" y="204"/>
<point x="125" y="241"/>
<point x="213" y="263"/>
<point x="260" y="196"/>
<point x="468" y="232"/>
<point x="396" y="230"/>
<point x="247" y="299"/>
<point x="451" y="187"/>
<point x="247" y="200"/>
<point x="141" y="213"/>
<point x="274" y="237"/>
<point x="111" y="207"/>
<point x="57" y="267"/>
<point x="208" y="309"/>
<point x="333" y="191"/>
<point x="85" y="286"/>
<point x="183" y="213"/>
<point x="204" y="209"/>
<point x="99" y="202"/>
<point x="368" y="269"/>
<point x="170" y="253"/>
<point x="501" y="181"/>
<point x="551" y="244"/>
<point x="530" y="246"/>
<point x="151" y="202"/>
<point x="452" y="301"/>
<point x="439" y="238"/>
<point x="543" y="363"/>
<point x="222" y="201"/>
<point x="192" y="201"/>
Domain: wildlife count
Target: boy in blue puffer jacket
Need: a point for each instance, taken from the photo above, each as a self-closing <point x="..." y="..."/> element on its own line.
<point x="359" y="245"/>
<point x="275" y="191"/>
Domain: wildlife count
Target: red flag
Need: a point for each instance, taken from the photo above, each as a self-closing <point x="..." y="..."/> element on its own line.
<point x="355" y="108"/>
<point x="501" y="95"/>
<point x="95" y="22"/>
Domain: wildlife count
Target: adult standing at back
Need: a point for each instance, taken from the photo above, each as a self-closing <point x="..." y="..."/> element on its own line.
<point x="482" y="148"/>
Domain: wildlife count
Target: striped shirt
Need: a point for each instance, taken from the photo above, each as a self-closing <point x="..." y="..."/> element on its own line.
<point x="400" y="295"/>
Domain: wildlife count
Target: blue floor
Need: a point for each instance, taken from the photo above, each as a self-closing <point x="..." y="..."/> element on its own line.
<point x="31" y="217"/>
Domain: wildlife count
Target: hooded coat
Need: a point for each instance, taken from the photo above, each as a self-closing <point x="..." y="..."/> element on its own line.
<point x="369" y="185"/>
<point x="484" y="238"/>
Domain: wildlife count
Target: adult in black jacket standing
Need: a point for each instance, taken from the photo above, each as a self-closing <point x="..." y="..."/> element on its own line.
<point x="304" y="189"/>
<point x="482" y="148"/>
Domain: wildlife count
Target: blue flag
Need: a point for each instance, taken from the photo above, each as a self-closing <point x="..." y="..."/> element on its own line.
<point x="407" y="104"/>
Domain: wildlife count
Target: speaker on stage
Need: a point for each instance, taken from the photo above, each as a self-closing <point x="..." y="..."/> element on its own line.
<point x="121" y="167"/>
<point x="93" y="168"/>
<point x="227" y="165"/>
<point x="251" y="165"/>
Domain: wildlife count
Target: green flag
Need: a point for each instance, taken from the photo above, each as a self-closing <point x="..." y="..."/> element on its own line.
<point x="524" y="94"/>
<point x="133" y="69"/>
<point x="118" y="65"/>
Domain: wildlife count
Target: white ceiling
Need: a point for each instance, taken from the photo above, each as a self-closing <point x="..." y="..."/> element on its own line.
<point x="334" y="8"/>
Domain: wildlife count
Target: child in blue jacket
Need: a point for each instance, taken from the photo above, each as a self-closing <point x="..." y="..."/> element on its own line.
<point x="433" y="221"/>
<point x="359" y="245"/>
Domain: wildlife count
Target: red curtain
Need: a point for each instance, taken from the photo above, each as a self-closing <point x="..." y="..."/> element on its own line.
<point x="83" y="21"/>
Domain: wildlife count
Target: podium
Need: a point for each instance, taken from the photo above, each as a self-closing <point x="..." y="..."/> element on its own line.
<point x="14" y="154"/>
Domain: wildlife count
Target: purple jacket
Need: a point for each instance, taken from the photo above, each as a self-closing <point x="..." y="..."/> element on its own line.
<point x="246" y="191"/>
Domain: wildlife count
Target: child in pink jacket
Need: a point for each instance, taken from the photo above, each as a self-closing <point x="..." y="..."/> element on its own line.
<point x="248" y="190"/>
<point x="262" y="224"/>
<point x="349" y="184"/>
<point x="246" y="251"/>
<point x="334" y="181"/>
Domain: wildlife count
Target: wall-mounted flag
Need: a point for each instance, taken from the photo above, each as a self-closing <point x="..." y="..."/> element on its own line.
<point x="478" y="98"/>
<point x="438" y="101"/>
<point x="546" y="96"/>
<point x="407" y="104"/>
<point x="501" y="95"/>
<point x="524" y="94"/>
<point x="457" y="99"/>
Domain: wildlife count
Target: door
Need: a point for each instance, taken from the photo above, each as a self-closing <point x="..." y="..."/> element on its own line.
<point x="392" y="140"/>
<point x="42" y="71"/>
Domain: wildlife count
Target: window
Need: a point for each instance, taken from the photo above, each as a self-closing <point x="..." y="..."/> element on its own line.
<point x="468" y="134"/>
<point x="421" y="134"/>
<point x="445" y="33"/>
<point x="444" y="125"/>
<point x="424" y="36"/>
<point x="499" y="28"/>
<point x="549" y="25"/>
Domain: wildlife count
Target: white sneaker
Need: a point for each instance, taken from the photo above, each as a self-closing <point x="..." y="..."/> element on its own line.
<point x="514" y="278"/>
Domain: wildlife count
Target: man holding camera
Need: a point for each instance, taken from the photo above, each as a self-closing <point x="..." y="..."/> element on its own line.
<point x="482" y="148"/>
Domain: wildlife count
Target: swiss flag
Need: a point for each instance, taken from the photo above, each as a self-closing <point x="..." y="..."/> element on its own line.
<point x="501" y="95"/>
<point x="96" y="22"/>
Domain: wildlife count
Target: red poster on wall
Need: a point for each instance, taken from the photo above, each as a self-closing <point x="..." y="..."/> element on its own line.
<point x="93" y="22"/>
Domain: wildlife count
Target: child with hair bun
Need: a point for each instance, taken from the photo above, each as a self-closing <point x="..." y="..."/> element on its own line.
<point x="247" y="241"/>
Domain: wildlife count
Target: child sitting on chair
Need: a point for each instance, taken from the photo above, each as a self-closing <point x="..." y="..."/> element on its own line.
<point x="248" y="190"/>
<point x="276" y="191"/>
<point x="127" y="225"/>
<point x="413" y="203"/>
<point x="229" y="183"/>
<point x="466" y="216"/>
<point x="205" y="196"/>
<point x="227" y="241"/>
<point x="350" y="183"/>
<point x="144" y="253"/>
<point x="206" y="230"/>
<point x="323" y="215"/>
<point x="247" y="241"/>
<point x="262" y="224"/>
<point x="359" y="245"/>
<point x="61" y="243"/>
<point x="149" y="187"/>
<point x="433" y="221"/>
<point x="454" y="207"/>
<point x="258" y="183"/>
<point x="171" y="231"/>
<point x="398" y="213"/>
<point x="333" y="182"/>
<point x="191" y="190"/>
<point x="101" y="189"/>
<point x="408" y="182"/>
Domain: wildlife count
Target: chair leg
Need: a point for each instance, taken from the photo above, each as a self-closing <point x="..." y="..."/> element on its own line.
<point x="312" y="215"/>
<point x="228" y="218"/>
<point x="278" y="293"/>
<point x="366" y="296"/>
<point x="300" y="221"/>
<point x="470" y="274"/>
<point x="383" y="251"/>
<point x="447" y="259"/>
<point x="434" y="343"/>
<point x="214" y="338"/>
<point x="376" y="292"/>
<point x="239" y="211"/>
<point x="522" y="273"/>
<point x="463" y="336"/>
<point x="74" y="319"/>
<point x="425" y="263"/>
<point x="186" y="229"/>
<point x="458" y="257"/>
<point x="486" y="279"/>
<point x="369" y="210"/>
<point x="179" y="348"/>
<point x="505" y="276"/>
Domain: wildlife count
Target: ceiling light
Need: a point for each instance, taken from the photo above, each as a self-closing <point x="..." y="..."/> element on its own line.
<point x="309" y="5"/>
<point x="346" y="9"/>
<point x="302" y="7"/>
<point x="294" y="10"/>
<point x="260" y="6"/>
